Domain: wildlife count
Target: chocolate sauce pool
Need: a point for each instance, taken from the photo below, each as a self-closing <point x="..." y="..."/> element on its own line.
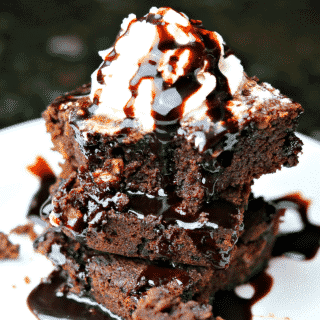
<point x="44" y="303"/>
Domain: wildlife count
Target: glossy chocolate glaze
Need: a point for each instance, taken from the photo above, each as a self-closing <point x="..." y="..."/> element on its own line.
<point x="42" y="170"/>
<point x="44" y="302"/>
<point x="219" y="213"/>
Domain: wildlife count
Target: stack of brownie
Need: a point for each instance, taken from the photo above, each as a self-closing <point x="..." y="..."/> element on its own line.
<point x="166" y="210"/>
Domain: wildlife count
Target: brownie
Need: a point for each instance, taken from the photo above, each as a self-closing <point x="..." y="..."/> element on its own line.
<point x="134" y="225"/>
<point x="151" y="216"/>
<point x="260" y="141"/>
<point x="118" y="283"/>
<point x="7" y="249"/>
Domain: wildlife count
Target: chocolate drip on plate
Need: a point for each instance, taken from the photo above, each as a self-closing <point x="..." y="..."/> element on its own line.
<point x="306" y="241"/>
<point x="42" y="170"/>
<point x="45" y="304"/>
<point x="229" y="306"/>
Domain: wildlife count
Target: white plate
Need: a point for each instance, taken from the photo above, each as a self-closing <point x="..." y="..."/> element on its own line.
<point x="296" y="289"/>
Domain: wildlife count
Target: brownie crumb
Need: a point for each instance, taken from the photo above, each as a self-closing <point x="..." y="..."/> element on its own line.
<point x="26" y="229"/>
<point x="27" y="280"/>
<point x="161" y="304"/>
<point x="7" y="249"/>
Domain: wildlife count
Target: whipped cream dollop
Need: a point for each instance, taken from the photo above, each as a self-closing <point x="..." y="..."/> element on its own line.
<point x="161" y="69"/>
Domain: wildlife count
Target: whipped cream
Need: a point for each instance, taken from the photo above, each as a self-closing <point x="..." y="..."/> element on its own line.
<point x="162" y="68"/>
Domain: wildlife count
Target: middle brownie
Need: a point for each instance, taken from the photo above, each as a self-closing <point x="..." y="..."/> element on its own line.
<point x="93" y="210"/>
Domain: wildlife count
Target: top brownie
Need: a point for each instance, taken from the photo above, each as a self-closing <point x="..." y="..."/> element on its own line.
<point x="261" y="143"/>
<point x="186" y="115"/>
<point x="171" y="116"/>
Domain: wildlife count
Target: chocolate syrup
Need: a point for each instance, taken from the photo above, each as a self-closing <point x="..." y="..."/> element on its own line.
<point x="45" y="304"/>
<point x="306" y="242"/>
<point x="219" y="212"/>
<point x="170" y="94"/>
<point x="201" y="227"/>
<point x="42" y="170"/>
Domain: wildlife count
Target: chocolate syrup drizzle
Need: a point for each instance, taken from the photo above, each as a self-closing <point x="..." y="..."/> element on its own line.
<point x="229" y="306"/>
<point x="44" y="302"/>
<point x="219" y="212"/>
<point x="168" y="112"/>
<point x="42" y="170"/>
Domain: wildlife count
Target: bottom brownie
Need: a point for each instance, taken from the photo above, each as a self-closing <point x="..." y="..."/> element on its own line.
<point x="119" y="283"/>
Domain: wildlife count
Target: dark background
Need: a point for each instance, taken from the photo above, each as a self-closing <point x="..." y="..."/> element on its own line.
<point x="48" y="47"/>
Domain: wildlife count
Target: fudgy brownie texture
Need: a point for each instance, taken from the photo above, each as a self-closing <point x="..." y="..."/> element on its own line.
<point x="118" y="283"/>
<point x="160" y="304"/>
<point x="7" y="249"/>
